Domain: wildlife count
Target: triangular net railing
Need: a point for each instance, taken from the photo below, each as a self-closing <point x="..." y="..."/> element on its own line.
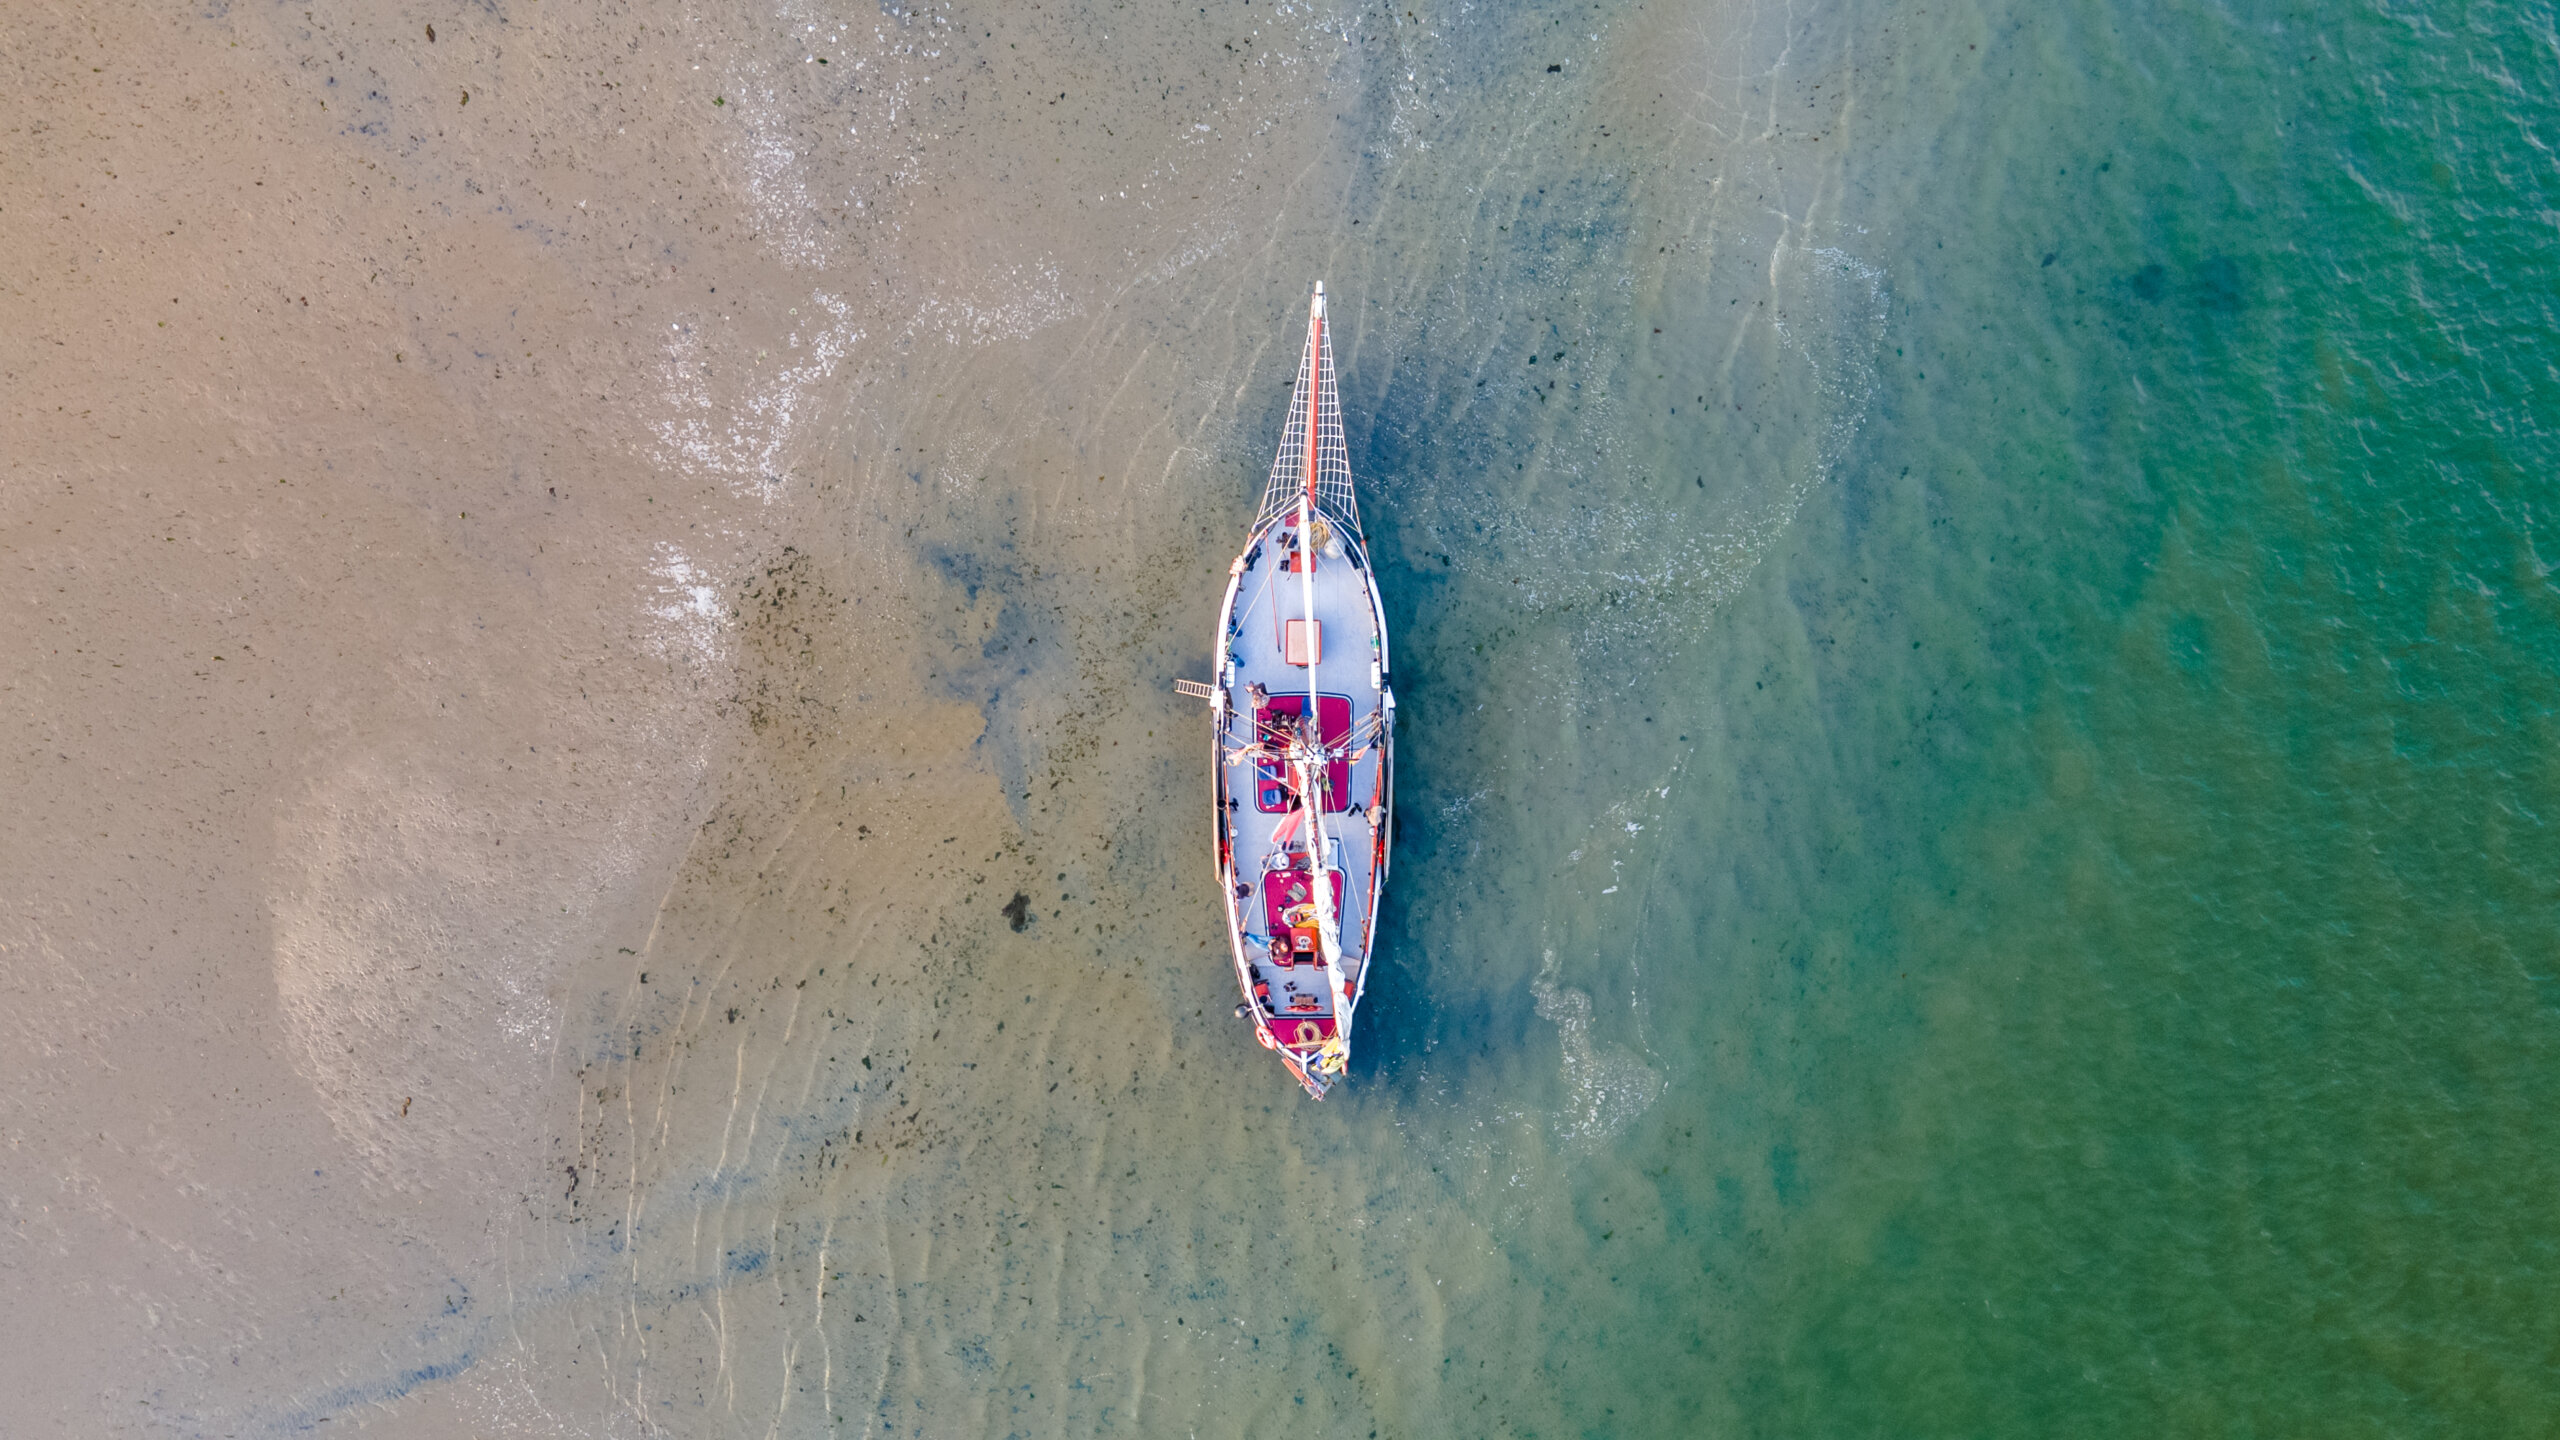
<point x="1334" y="498"/>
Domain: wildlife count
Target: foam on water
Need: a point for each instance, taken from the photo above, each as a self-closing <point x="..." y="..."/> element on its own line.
<point x="746" y="419"/>
<point x="1607" y="1085"/>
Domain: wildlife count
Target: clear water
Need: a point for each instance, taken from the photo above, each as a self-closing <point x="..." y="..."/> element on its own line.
<point x="1978" y="692"/>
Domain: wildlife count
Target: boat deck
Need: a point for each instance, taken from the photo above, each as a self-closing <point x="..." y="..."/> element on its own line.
<point x="1271" y="884"/>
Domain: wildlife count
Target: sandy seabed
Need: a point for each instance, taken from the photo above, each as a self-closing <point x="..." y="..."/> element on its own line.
<point x="569" y="563"/>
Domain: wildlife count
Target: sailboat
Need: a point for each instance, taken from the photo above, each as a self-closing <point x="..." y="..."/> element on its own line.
<point x="1303" y="723"/>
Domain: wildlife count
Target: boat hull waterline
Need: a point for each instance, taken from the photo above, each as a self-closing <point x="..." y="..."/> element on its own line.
<point x="1303" y="724"/>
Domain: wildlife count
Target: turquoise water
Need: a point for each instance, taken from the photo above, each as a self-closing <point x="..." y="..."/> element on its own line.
<point x="2111" y="958"/>
<point x="2096" y="945"/>
<point x="1977" y="686"/>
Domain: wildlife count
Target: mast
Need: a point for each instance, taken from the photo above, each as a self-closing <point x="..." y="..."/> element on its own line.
<point x="1315" y="400"/>
<point x="1314" y="764"/>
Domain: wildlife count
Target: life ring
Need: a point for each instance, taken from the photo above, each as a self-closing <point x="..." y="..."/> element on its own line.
<point x="1309" y="1033"/>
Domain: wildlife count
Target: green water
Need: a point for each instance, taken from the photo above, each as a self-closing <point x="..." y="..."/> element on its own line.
<point x="2106" y="945"/>
<point x="2098" y="941"/>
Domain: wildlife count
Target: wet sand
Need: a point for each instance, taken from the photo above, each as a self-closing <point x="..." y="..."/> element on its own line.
<point x="568" y="572"/>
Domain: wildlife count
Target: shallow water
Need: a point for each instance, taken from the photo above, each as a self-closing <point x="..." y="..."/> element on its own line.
<point x="1976" y="677"/>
